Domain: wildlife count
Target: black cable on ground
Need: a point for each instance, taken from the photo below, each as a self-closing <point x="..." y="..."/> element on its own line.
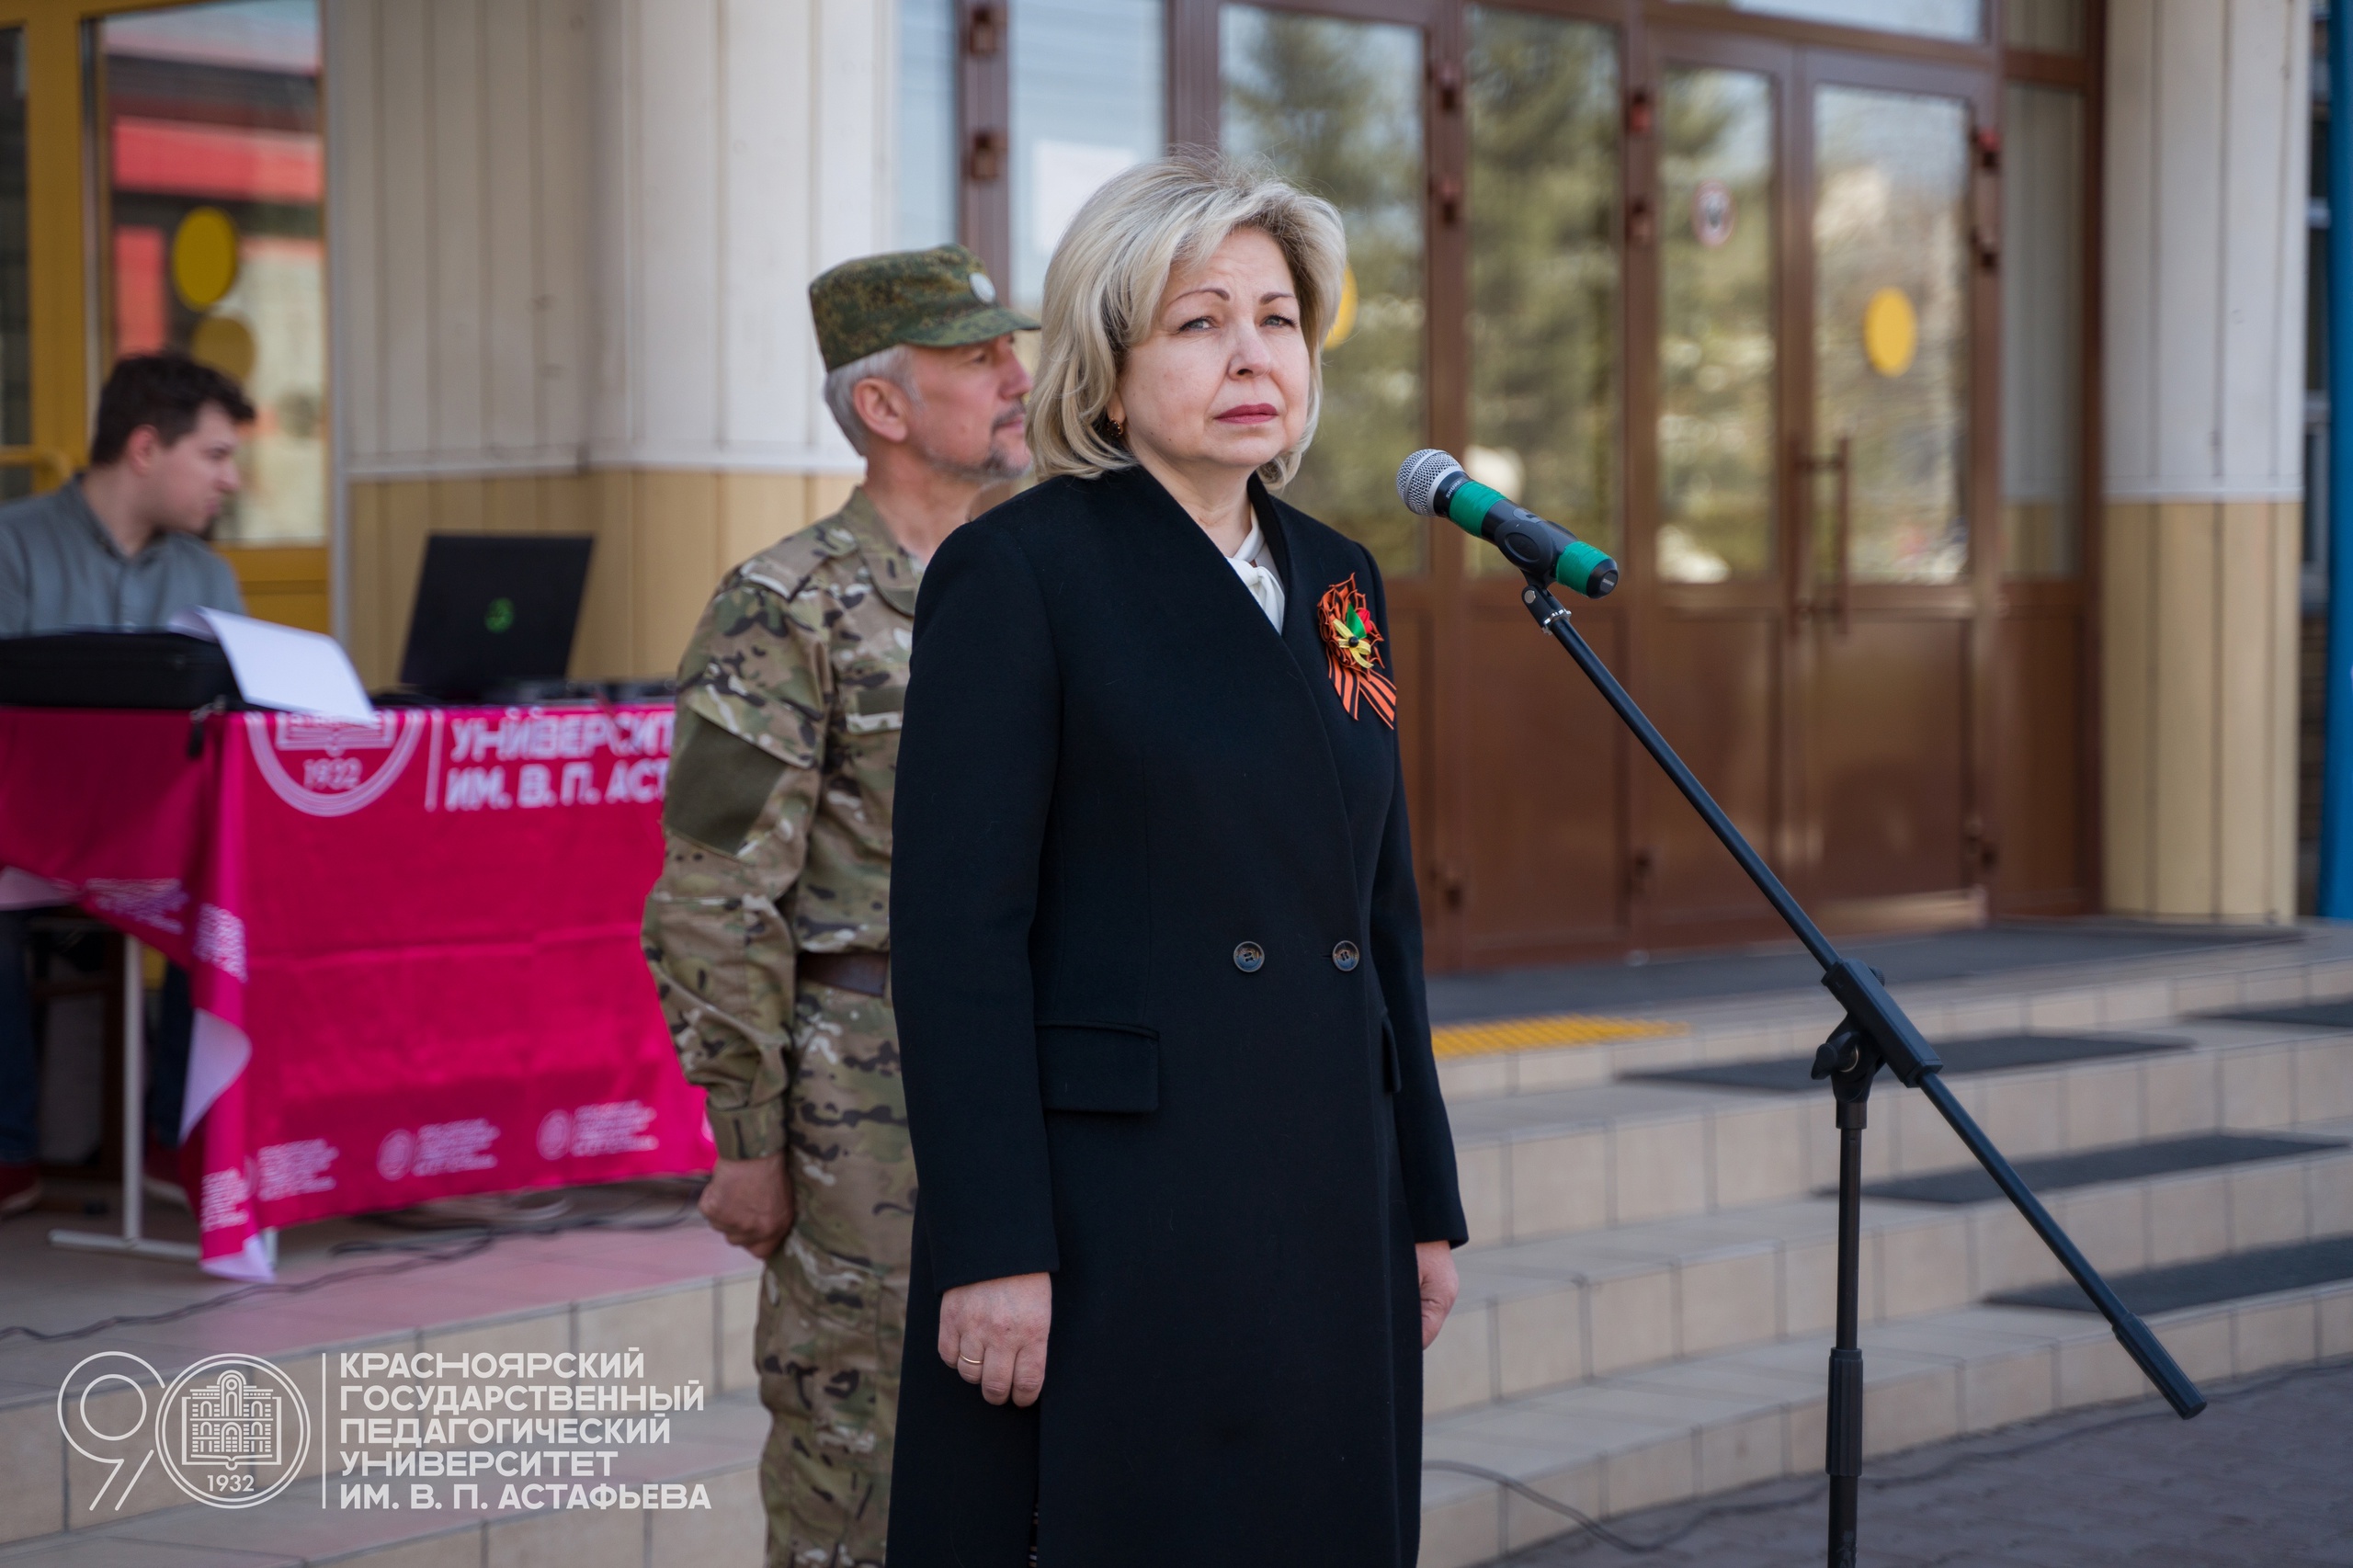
<point x="454" y="1247"/>
<point x="1607" y="1537"/>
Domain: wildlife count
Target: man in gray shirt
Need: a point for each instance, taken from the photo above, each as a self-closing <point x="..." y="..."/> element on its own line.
<point x="121" y="547"/>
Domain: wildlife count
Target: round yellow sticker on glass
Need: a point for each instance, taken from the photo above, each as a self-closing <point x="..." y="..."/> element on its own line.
<point x="1890" y="332"/>
<point x="204" y="257"/>
<point x="224" y="343"/>
<point x="1343" y="314"/>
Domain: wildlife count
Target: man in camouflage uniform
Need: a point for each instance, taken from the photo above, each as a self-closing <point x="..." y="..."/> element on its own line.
<point x="769" y="932"/>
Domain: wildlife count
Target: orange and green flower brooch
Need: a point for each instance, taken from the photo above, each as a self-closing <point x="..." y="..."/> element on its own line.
<point x="1352" y="651"/>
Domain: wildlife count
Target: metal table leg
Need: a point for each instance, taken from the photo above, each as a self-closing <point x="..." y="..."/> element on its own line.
<point x="134" y="1139"/>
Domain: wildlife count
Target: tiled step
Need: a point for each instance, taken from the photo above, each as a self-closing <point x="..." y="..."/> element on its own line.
<point x="2130" y="995"/>
<point x="1712" y="1423"/>
<point x="1536" y="1165"/>
<point x="2290" y="1267"/>
<point x="1548" y="1313"/>
<point x="1957" y="1058"/>
<point x="2047" y="1174"/>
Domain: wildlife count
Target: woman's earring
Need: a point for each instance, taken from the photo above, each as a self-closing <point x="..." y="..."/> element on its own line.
<point x="1119" y="430"/>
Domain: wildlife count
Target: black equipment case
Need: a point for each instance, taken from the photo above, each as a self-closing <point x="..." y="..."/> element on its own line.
<point x="114" y="669"/>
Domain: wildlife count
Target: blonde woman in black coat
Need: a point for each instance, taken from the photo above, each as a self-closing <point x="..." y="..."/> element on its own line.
<point x="1187" y="1190"/>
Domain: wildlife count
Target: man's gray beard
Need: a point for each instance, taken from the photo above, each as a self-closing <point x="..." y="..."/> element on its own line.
<point x="995" y="471"/>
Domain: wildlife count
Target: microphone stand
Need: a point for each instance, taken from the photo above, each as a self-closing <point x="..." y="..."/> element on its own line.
<point x="1875" y="1033"/>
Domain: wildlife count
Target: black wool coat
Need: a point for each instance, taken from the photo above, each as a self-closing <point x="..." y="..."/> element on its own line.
<point x="1156" y="961"/>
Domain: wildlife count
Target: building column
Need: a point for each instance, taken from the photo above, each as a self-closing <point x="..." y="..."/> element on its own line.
<point x="2203" y="388"/>
<point x="573" y="246"/>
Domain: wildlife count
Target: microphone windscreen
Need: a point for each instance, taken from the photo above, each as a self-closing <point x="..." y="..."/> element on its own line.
<point x="1419" y="476"/>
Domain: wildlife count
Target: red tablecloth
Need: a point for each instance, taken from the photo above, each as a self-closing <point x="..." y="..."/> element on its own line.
<point x="413" y="944"/>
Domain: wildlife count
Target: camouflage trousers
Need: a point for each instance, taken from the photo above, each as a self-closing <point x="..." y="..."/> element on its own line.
<point x="834" y="1301"/>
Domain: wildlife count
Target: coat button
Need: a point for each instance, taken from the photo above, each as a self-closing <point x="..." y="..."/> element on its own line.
<point x="1249" y="958"/>
<point x="1344" y="957"/>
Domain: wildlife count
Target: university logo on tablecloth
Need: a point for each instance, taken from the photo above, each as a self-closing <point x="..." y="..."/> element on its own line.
<point x="331" y="767"/>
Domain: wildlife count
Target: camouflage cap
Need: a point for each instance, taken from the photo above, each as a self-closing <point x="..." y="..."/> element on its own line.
<point x="935" y="298"/>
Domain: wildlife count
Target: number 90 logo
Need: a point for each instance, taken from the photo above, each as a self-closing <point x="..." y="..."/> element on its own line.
<point x="231" y="1431"/>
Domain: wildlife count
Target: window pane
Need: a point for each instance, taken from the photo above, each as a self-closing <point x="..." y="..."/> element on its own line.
<point x="927" y="124"/>
<point x="211" y="145"/>
<point x="1088" y="89"/>
<point x="2042" y="332"/>
<point x="1936" y="18"/>
<point x="1338" y="107"/>
<point x="2056" y="25"/>
<point x="1544" y="269"/>
<point x="16" y="306"/>
<point x="1890" y="300"/>
<point x="1716" y="347"/>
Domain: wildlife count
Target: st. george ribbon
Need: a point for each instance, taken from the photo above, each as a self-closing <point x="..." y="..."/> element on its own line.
<point x="1432" y="484"/>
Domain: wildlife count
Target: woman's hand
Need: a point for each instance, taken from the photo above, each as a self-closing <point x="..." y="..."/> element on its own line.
<point x="1434" y="1264"/>
<point x="995" y="1333"/>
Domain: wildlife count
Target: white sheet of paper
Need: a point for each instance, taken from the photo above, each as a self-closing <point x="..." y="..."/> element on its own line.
<point x="282" y="666"/>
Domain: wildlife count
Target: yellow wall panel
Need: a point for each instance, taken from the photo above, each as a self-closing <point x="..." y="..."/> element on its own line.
<point x="602" y="648"/>
<point x="758" y="509"/>
<point x="829" y="491"/>
<point x="512" y="503"/>
<point x="2245" y="728"/>
<point x="2287" y="632"/>
<point x="408" y="518"/>
<point x="2184" y="760"/>
<point x="460" y="506"/>
<point x="2199" y="690"/>
<point x="2127" y="671"/>
<point x="678" y="557"/>
<point x="286" y="584"/>
<point x="364" y="635"/>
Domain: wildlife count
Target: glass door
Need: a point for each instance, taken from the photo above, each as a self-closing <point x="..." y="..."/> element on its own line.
<point x="1818" y="609"/>
<point x="210" y="174"/>
<point x="1890" y="467"/>
<point x="1714" y="574"/>
<point x="1536" y="766"/>
<point x="162" y="177"/>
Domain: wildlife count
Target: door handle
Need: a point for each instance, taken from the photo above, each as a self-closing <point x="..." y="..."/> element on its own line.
<point x="1838" y="461"/>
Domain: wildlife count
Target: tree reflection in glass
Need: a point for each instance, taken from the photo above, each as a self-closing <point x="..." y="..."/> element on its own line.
<point x="1544" y="269"/>
<point x="1335" y="107"/>
<point x="1716" y="345"/>
<point x="1889" y="235"/>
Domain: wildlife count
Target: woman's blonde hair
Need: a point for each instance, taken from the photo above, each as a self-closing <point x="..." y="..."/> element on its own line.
<point x="1105" y="281"/>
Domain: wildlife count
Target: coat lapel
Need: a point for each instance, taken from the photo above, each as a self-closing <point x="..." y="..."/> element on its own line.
<point x="1309" y="567"/>
<point x="1188" y="575"/>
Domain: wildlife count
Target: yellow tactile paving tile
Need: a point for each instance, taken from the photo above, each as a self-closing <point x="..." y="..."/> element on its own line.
<point x="1550" y="1032"/>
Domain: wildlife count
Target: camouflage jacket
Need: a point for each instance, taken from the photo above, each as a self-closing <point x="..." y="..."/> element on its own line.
<point x="777" y="809"/>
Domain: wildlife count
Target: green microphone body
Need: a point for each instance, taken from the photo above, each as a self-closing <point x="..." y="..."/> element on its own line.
<point x="1526" y="540"/>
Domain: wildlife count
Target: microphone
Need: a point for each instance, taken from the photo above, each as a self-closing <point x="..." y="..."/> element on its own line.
<point x="1432" y="484"/>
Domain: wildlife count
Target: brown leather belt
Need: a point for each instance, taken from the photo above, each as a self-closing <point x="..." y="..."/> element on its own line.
<point x="868" y="974"/>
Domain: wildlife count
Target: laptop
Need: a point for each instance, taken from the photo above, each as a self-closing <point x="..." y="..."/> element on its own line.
<point x="494" y="612"/>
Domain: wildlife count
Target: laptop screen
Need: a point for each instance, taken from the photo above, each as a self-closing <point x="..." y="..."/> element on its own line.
<point x="493" y="609"/>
